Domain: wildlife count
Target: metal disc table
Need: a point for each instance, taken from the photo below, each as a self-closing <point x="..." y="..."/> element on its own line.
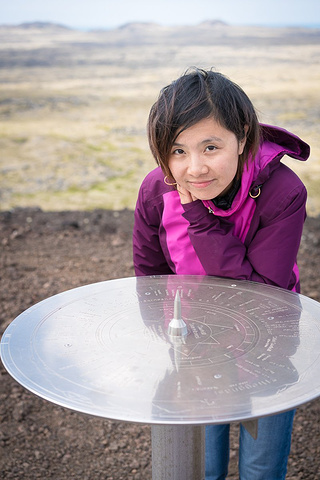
<point x="108" y="349"/>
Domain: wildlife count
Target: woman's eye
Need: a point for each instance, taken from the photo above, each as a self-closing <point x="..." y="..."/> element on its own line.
<point x="210" y="148"/>
<point x="178" y="151"/>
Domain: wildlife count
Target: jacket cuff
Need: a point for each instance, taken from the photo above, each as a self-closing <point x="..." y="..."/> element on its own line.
<point x="194" y="211"/>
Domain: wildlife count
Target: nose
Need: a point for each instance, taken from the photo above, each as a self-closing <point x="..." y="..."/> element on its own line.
<point x="197" y="165"/>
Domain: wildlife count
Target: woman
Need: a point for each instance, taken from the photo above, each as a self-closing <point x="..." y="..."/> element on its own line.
<point x="221" y="203"/>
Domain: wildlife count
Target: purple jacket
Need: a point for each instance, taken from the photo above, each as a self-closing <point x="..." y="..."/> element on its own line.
<point x="255" y="239"/>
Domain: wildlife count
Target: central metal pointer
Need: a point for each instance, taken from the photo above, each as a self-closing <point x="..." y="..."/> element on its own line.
<point x="177" y="327"/>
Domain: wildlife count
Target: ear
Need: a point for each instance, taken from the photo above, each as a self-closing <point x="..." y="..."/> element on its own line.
<point x="242" y="142"/>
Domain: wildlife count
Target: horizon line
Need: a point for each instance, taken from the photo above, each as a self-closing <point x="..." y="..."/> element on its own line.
<point x="144" y="22"/>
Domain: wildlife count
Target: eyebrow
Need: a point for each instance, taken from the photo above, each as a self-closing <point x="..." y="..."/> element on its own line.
<point x="207" y="140"/>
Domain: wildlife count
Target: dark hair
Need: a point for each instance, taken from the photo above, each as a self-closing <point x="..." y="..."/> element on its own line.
<point x="196" y="95"/>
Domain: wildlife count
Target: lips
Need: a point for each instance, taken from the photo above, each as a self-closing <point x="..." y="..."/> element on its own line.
<point x="202" y="184"/>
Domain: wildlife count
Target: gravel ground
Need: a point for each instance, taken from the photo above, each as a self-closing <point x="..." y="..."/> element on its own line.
<point x="45" y="253"/>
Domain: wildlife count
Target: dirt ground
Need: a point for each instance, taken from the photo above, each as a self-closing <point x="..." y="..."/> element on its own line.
<point x="45" y="253"/>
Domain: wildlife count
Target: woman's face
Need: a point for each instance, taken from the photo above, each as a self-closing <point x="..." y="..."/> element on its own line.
<point x="204" y="159"/>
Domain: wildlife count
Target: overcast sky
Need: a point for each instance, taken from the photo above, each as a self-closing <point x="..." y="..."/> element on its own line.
<point x="112" y="13"/>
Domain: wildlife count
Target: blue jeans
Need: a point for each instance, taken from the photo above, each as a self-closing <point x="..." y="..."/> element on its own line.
<point x="262" y="459"/>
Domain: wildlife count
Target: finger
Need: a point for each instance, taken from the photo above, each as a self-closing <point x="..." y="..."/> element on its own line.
<point x="185" y="195"/>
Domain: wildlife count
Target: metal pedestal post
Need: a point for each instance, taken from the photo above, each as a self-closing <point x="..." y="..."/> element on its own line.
<point x="178" y="452"/>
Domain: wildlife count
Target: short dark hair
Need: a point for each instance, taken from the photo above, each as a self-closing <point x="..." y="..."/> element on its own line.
<point x="196" y="95"/>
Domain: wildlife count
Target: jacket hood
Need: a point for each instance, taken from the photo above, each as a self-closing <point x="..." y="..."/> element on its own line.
<point x="290" y="143"/>
<point x="275" y="143"/>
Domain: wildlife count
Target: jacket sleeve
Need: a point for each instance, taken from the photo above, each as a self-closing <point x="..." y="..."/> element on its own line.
<point x="148" y="257"/>
<point x="270" y="255"/>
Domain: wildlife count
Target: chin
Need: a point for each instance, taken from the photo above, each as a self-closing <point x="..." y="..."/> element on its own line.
<point x="203" y="197"/>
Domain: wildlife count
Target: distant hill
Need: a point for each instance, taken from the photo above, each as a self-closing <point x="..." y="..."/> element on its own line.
<point x="42" y="26"/>
<point x="212" y="23"/>
<point x="138" y="25"/>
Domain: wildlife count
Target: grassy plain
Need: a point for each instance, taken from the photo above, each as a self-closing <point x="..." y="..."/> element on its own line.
<point x="74" y="105"/>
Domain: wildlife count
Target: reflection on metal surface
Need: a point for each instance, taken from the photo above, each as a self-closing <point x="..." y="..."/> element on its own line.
<point x="250" y="350"/>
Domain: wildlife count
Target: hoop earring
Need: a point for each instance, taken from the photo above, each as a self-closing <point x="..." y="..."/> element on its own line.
<point x="167" y="183"/>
